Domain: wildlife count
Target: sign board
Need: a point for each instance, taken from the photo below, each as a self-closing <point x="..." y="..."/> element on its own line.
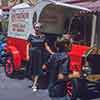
<point x="20" y="23"/>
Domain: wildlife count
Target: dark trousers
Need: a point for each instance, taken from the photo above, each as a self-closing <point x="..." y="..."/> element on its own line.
<point x="37" y="57"/>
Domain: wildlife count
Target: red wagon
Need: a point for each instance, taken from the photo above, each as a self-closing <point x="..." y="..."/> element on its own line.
<point x="20" y="26"/>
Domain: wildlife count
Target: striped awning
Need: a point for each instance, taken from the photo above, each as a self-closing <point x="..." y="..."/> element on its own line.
<point x="94" y="6"/>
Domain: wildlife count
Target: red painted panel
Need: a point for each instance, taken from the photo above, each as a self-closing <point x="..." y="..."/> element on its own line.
<point x="76" y="56"/>
<point x="21" y="46"/>
<point x="16" y="57"/>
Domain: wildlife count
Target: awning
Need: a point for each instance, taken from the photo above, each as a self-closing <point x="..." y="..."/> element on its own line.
<point x="94" y="6"/>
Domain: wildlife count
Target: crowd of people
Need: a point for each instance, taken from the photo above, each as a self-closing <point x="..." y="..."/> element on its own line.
<point x="50" y="54"/>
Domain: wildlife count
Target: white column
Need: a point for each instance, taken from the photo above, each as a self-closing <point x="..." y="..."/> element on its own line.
<point x="93" y="30"/>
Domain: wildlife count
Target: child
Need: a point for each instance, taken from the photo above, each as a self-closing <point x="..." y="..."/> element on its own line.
<point x="58" y="69"/>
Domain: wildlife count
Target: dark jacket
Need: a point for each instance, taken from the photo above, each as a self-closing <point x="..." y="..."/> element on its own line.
<point x="58" y="63"/>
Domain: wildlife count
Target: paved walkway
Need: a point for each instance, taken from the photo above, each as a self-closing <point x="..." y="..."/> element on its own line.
<point x="18" y="89"/>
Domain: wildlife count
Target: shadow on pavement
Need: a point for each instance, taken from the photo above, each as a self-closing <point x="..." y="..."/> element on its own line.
<point x="19" y="75"/>
<point x="42" y="82"/>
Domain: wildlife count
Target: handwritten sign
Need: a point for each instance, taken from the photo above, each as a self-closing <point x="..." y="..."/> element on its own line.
<point x="20" y="21"/>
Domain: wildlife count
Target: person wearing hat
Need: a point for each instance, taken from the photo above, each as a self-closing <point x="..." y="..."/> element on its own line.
<point x="36" y="54"/>
<point x="59" y="72"/>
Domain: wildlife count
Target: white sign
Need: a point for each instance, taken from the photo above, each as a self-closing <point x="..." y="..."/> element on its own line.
<point x="20" y="23"/>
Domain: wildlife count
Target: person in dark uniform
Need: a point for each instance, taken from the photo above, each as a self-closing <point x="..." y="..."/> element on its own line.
<point x="38" y="54"/>
<point x="59" y="72"/>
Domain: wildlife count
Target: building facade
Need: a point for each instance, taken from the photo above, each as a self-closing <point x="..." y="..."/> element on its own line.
<point x="7" y="4"/>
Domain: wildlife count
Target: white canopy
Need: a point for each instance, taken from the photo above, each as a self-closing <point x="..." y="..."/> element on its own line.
<point x="22" y="5"/>
<point x="26" y="5"/>
<point x="70" y="5"/>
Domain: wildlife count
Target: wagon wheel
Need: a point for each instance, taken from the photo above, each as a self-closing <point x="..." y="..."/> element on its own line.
<point x="9" y="66"/>
<point x="72" y="89"/>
